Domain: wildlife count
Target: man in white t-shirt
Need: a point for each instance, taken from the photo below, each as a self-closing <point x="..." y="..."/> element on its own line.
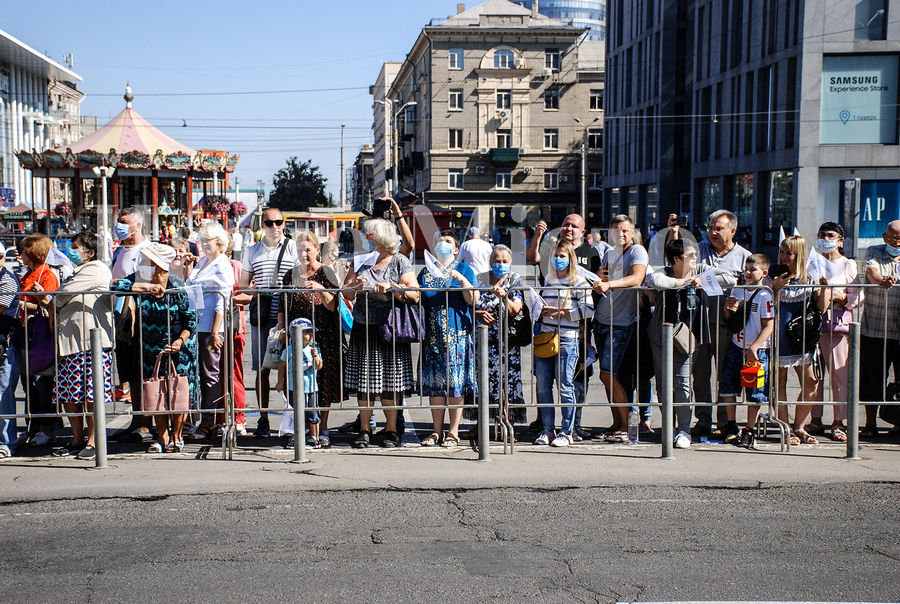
<point x="476" y="252"/>
<point x="238" y="242"/>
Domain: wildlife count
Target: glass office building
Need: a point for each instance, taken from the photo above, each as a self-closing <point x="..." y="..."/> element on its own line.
<point x="582" y="13"/>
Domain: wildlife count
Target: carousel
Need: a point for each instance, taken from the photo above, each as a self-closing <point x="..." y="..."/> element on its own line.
<point x="145" y="168"/>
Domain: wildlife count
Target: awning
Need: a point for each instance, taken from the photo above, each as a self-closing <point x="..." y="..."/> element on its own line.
<point x="504" y="157"/>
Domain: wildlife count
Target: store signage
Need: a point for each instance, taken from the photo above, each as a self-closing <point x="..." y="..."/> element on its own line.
<point x="859" y="100"/>
<point x="879" y="204"/>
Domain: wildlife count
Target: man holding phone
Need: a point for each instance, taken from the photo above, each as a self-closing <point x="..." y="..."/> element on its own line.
<point x="572" y="230"/>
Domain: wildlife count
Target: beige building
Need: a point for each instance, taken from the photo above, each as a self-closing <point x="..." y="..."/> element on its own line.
<point x="491" y="109"/>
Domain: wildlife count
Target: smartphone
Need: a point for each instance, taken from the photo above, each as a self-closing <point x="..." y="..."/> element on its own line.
<point x="380" y="207"/>
<point x="778" y="270"/>
<point x="682" y="220"/>
<point x="545" y="214"/>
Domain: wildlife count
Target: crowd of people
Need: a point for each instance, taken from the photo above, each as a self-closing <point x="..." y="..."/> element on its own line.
<point x="180" y="308"/>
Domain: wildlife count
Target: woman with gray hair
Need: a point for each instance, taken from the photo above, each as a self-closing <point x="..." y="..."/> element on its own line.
<point x="215" y="277"/>
<point x="375" y="368"/>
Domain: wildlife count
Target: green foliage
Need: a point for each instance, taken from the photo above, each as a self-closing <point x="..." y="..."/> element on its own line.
<point x="298" y="187"/>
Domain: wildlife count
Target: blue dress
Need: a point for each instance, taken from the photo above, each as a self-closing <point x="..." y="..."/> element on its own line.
<point x="447" y="349"/>
<point x="791" y="303"/>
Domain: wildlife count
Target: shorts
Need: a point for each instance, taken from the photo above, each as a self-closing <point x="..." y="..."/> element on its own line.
<point x="611" y="343"/>
<point x="312" y="415"/>
<point x="730" y="381"/>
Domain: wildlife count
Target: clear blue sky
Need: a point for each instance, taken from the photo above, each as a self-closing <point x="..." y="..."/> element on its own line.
<point x="184" y="48"/>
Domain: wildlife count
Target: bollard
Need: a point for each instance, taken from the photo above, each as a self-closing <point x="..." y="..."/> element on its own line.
<point x="99" y="399"/>
<point x="484" y="437"/>
<point x="665" y="394"/>
<point x="299" y="394"/>
<point x="853" y="393"/>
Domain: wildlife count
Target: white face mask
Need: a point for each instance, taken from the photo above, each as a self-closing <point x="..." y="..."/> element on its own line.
<point x="146" y="272"/>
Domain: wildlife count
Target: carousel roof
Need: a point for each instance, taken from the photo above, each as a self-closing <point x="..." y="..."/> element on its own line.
<point x="128" y="141"/>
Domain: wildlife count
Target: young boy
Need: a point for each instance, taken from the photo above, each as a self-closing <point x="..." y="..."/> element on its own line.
<point x="312" y="362"/>
<point x="751" y="343"/>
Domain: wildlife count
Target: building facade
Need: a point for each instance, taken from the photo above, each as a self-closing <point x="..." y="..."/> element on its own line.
<point x="782" y="111"/>
<point x="485" y="110"/>
<point x="362" y="183"/>
<point x="582" y="13"/>
<point x="40" y="108"/>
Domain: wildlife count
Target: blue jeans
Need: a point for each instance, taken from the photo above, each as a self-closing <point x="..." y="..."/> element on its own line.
<point x="545" y="372"/>
<point x="9" y="380"/>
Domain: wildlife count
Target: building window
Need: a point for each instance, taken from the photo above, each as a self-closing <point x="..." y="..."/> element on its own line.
<point x="456" y="100"/>
<point x="456" y="58"/>
<point x="551" y="179"/>
<point x="504" y="99"/>
<point x="456" y="138"/>
<point x="504" y="139"/>
<point x="595" y="180"/>
<point x="503" y="59"/>
<point x="551" y="99"/>
<point x="551" y="59"/>
<point x="595" y="138"/>
<point x="504" y="178"/>
<point x="871" y="17"/>
<point x="596" y="100"/>
<point x="551" y="138"/>
<point x="456" y="178"/>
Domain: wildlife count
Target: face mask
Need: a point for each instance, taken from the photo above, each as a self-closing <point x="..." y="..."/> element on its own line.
<point x="75" y="256"/>
<point x="560" y="264"/>
<point x="368" y="246"/>
<point x="443" y="250"/>
<point x="893" y="251"/>
<point x="122" y="231"/>
<point x="500" y="270"/>
<point x="826" y="246"/>
<point x="146" y="272"/>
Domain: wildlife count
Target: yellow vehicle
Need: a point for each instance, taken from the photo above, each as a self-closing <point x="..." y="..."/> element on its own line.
<point x="324" y="222"/>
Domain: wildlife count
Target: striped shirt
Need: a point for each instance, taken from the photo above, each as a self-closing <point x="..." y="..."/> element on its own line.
<point x="8" y="286"/>
<point x="260" y="261"/>
<point x="576" y="300"/>
<point x="879" y="316"/>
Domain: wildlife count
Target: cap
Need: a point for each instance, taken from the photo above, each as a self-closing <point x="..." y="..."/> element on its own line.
<point x="474" y="231"/>
<point x="159" y="254"/>
<point x="304" y="323"/>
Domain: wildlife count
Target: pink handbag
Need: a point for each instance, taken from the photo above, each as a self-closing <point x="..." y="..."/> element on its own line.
<point x="167" y="393"/>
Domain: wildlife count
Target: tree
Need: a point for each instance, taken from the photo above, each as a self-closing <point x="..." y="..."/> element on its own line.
<point x="298" y="187"/>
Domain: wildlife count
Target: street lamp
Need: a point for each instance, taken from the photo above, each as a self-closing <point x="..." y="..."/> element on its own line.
<point x="104" y="172"/>
<point x="584" y="167"/>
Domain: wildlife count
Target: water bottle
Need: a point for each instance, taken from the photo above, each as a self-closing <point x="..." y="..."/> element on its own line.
<point x="691" y="298"/>
<point x="634" y="419"/>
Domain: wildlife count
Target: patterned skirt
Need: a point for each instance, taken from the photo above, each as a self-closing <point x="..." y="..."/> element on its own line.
<point x="374" y="367"/>
<point x="74" y="381"/>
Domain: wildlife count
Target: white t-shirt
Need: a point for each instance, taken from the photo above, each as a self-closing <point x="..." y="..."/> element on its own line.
<point x="477" y="254"/>
<point x="238" y="240"/>
<point x="763" y="307"/>
<point x="127" y="260"/>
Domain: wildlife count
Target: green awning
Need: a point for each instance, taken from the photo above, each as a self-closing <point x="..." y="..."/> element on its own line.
<point x="504" y="157"/>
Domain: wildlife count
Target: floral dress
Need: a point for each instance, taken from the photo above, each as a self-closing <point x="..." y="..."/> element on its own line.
<point x="791" y="303"/>
<point x="448" y="354"/>
<point x="503" y="365"/>
<point x="162" y="321"/>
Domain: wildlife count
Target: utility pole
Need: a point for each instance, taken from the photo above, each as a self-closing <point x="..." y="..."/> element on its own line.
<point x="343" y="176"/>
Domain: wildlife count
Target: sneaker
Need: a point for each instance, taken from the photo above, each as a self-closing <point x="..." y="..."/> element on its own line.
<point x="747" y="439"/>
<point x="240" y="429"/>
<point x="682" y="441"/>
<point x="262" y="428"/>
<point x="563" y="440"/>
<point x="5" y="452"/>
<point x="731" y="432"/>
<point x="700" y="430"/>
<point x="42" y="438"/>
<point x="582" y="434"/>
<point x="88" y="452"/>
<point x="576" y="437"/>
<point x="123" y="393"/>
<point x="312" y="443"/>
<point x="545" y="437"/>
<point x="290" y="443"/>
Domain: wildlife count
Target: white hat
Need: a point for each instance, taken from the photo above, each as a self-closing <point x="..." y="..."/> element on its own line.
<point x="159" y="254"/>
<point x="474" y="231"/>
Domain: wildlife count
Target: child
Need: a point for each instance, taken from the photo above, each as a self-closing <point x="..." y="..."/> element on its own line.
<point x="752" y="343"/>
<point x="312" y="362"/>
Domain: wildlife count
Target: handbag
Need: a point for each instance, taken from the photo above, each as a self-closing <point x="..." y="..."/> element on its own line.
<point x="41" y="344"/>
<point x="168" y="393"/>
<point x="274" y="348"/>
<point x="738" y="319"/>
<point x="546" y="344"/>
<point x="804" y="329"/>
<point x="520" y="329"/>
<point x="402" y="324"/>
<point x="682" y="337"/>
<point x="346" y="314"/>
<point x="126" y="325"/>
<point x="837" y="320"/>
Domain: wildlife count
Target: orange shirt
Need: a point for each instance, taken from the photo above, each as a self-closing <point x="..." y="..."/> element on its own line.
<point x="43" y="275"/>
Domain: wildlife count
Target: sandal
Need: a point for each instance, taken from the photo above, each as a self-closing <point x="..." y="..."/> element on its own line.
<point x="869" y="432"/>
<point x="795" y="440"/>
<point x="202" y="433"/>
<point x="838" y="434"/>
<point x="431" y="440"/>
<point x="805" y="437"/>
<point x="156" y="447"/>
<point x="617" y="437"/>
<point x="450" y="441"/>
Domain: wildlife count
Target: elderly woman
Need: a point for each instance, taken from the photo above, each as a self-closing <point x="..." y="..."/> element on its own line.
<point x="448" y="356"/>
<point x="374" y="368"/>
<point x="319" y="305"/>
<point x="504" y="364"/>
<point x="76" y="315"/>
<point x="214" y="275"/>
<point x="168" y="325"/>
<point x="39" y="278"/>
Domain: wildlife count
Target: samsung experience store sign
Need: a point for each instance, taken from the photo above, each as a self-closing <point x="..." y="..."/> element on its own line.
<point x="859" y="100"/>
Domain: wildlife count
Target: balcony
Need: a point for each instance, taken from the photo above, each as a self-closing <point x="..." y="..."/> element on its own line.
<point x="502" y="157"/>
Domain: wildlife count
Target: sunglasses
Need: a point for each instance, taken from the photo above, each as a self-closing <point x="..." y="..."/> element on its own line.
<point x="272" y="223"/>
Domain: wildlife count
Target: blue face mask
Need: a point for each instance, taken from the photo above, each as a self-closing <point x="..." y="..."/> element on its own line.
<point x="74" y="255"/>
<point x="893" y="251"/>
<point x="560" y="264"/>
<point x="500" y="270"/>
<point x="122" y="231"/>
<point x="368" y="245"/>
<point x="443" y="250"/>
<point x="826" y="246"/>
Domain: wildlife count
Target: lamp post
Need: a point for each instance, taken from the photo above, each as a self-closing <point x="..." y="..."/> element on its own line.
<point x="584" y="167"/>
<point x="104" y="173"/>
<point x="343" y="177"/>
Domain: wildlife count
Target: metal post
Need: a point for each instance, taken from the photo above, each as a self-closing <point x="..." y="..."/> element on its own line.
<point x="665" y="394"/>
<point x="299" y="394"/>
<point x="99" y="399"/>
<point x="853" y="393"/>
<point x="484" y="453"/>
